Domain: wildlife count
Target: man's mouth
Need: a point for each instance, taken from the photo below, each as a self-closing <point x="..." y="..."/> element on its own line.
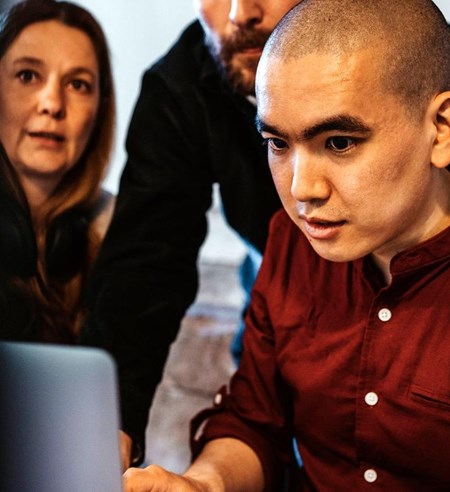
<point x="321" y="228"/>
<point x="324" y="223"/>
<point x="250" y="50"/>
<point x="245" y="41"/>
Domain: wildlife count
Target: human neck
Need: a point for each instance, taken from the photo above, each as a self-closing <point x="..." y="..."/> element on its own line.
<point x="37" y="190"/>
<point x="437" y="220"/>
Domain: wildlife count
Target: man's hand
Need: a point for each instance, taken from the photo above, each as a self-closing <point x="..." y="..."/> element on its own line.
<point x="126" y="445"/>
<point x="156" y="479"/>
<point x="224" y="464"/>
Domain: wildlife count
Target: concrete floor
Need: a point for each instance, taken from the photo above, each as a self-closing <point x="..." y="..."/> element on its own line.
<point x="199" y="360"/>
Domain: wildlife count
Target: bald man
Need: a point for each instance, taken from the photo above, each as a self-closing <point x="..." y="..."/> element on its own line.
<point x="347" y="339"/>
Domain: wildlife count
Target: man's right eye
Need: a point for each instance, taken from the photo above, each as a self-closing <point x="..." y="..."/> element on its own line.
<point x="275" y="144"/>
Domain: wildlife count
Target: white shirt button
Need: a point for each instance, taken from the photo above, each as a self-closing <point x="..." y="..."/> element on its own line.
<point x="370" y="475"/>
<point x="384" y="315"/>
<point x="371" y="398"/>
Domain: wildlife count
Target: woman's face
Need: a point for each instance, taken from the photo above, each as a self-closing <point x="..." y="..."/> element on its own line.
<point x="49" y="99"/>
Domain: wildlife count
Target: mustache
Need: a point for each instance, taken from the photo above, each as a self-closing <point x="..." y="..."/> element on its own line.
<point x="242" y="40"/>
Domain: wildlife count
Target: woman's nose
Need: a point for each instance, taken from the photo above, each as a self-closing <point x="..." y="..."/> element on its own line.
<point x="51" y="100"/>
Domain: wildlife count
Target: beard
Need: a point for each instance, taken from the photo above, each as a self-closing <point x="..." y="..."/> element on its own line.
<point x="238" y="71"/>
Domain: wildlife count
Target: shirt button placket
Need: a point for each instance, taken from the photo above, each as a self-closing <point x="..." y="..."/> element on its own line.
<point x="371" y="398"/>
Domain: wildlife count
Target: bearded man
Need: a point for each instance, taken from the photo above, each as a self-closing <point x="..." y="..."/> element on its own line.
<point x="193" y="126"/>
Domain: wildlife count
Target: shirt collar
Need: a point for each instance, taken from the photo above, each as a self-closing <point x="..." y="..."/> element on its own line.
<point x="431" y="251"/>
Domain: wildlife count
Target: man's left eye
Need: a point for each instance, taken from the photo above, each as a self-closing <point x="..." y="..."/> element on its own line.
<point x="340" y="144"/>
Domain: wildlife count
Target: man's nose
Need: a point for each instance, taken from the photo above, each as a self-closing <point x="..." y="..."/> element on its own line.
<point x="308" y="181"/>
<point x="51" y="100"/>
<point x="246" y="13"/>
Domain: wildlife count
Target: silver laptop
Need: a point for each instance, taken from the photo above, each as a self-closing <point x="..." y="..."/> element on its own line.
<point x="59" y="419"/>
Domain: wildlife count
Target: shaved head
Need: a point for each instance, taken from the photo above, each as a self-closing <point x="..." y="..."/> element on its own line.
<point x="411" y="38"/>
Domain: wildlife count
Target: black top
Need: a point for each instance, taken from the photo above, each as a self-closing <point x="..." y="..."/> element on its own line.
<point x="188" y="131"/>
<point x="23" y="316"/>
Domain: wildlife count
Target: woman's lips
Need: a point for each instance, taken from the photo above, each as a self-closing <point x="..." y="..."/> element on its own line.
<point x="47" y="140"/>
<point x="47" y="136"/>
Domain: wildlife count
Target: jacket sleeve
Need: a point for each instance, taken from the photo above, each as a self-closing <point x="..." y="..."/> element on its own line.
<point x="145" y="276"/>
<point x="258" y="408"/>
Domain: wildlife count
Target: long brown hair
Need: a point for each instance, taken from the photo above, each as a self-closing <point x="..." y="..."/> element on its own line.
<point x="56" y="291"/>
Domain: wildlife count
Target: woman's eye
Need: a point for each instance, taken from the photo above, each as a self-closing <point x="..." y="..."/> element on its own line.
<point x="80" y="85"/>
<point x="340" y="144"/>
<point x="26" y="76"/>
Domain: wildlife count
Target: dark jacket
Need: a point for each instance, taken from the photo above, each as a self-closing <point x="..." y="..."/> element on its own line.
<point x="188" y="131"/>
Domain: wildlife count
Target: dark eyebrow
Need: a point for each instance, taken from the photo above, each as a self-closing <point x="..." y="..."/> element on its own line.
<point x="343" y="123"/>
<point x="28" y="60"/>
<point x="261" y="126"/>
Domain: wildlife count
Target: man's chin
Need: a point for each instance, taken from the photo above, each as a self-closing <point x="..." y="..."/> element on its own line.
<point x="238" y="69"/>
<point x="242" y="79"/>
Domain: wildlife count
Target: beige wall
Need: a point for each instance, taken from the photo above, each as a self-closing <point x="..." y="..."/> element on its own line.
<point x="139" y="32"/>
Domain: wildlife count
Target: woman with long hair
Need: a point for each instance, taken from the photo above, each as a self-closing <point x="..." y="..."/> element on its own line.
<point x="57" y="115"/>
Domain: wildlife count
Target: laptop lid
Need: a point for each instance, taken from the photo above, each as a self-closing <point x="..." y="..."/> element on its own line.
<point x="59" y="419"/>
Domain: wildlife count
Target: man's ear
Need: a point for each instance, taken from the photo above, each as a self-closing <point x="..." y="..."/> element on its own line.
<point x="440" y="155"/>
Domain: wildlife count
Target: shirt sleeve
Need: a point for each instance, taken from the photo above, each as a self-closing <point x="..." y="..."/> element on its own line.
<point x="257" y="409"/>
<point x="145" y="276"/>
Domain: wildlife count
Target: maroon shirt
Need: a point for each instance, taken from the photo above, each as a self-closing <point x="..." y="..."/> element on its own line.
<point x="357" y="371"/>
